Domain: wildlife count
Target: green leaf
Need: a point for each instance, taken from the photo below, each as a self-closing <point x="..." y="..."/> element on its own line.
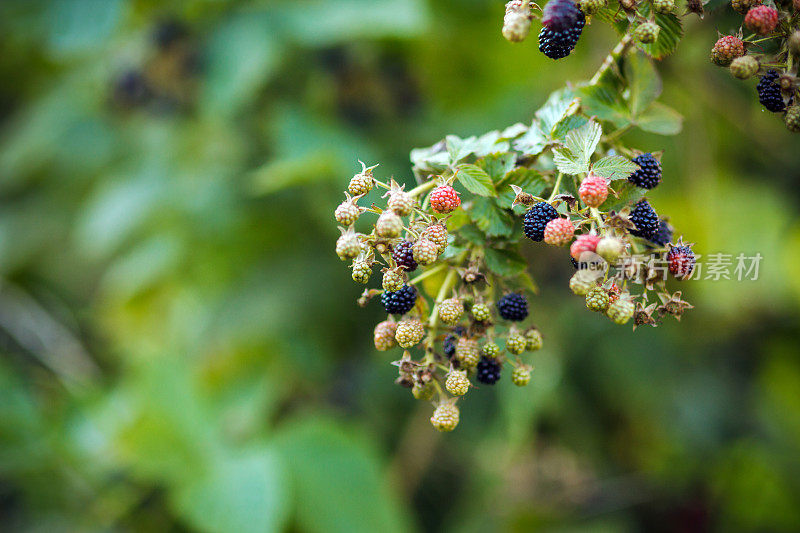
<point x="339" y="479"/>
<point x="606" y="104"/>
<point x="555" y="109"/>
<point x="614" y="167"/>
<point x="529" y="180"/>
<point x="432" y="159"/>
<point x="627" y="194"/>
<point x="533" y="142"/>
<point x="668" y="38"/>
<point x="476" y="180"/>
<point x="579" y="145"/>
<point x="661" y="119"/>
<point x="491" y="142"/>
<point x="238" y="491"/>
<point x="497" y="165"/>
<point x="644" y="83"/>
<point x="459" y="148"/>
<point x="568" y="124"/>
<point x="492" y="220"/>
<point x="505" y="262"/>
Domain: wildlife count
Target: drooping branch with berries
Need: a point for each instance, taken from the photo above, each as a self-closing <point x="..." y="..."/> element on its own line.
<point x="767" y="44"/>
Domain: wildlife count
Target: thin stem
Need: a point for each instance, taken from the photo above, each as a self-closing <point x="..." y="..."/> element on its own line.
<point x="430" y="272"/>
<point x="622" y="47"/>
<point x="447" y="285"/>
<point x="422" y="188"/>
<point x="556" y="186"/>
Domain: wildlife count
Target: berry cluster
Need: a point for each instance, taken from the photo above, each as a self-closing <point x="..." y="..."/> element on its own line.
<point x="454" y="288"/>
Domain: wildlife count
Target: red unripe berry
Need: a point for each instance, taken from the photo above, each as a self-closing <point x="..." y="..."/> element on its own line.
<point x="593" y="190"/>
<point x="761" y="19"/>
<point x="444" y="199"/>
<point x="583" y="243"/>
<point x="559" y="231"/>
<point x="681" y="261"/>
<point x="726" y="49"/>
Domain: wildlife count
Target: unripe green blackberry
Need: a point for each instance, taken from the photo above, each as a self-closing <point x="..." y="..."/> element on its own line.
<point x="401" y="202"/>
<point x="392" y="281"/>
<point x="516" y="343"/>
<point x="663" y="6"/>
<point x="348" y="246"/>
<point x="361" y="272"/>
<point x="590" y="7"/>
<point x="383" y="335"/>
<point x="481" y="312"/>
<point x="347" y="213"/>
<point x="743" y="6"/>
<point x="726" y="49"/>
<point x="744" y="67"/>
<point x="467" y="352"/>
<point x="425" y="251"/>
<point x="445" y="416"/>
<point x="533" y="338"/>
<point x="389" y="225"/>
<point x="450" y="311"/>
<point x="646" y="33"/>
<point x="521" y="375"/>
<point x="409" y="333"/>
<point x="490" y="349"/>
<point x="457" y="383"/>
<point x="792" y="118"/>
<point x="793" y="42"/>
<point x="423" y="392"/>
<point x="610" y="248"/>
<point x="596" y="299"/>
<point x="362" y="182"/>
<point x="582" y="282"/>
<point x="621" y="310"/>
<point x="437" y="233"/>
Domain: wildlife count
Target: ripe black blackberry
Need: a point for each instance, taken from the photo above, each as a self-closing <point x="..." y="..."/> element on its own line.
<point x="560" y="15"/>
<point x="646" y="220"/>
<point x="663" y="234"/>
<point x="537" y="218"/>
<point x="404" y="257"/>
<point x="513" y="306"/>
<point x="488" y="371"/>
<point x="399" y="302"/>
<point x="649" y="173"/>
<point x="769" y="92"/>
<point x="449" y="344"/>
<point x="558" y="44"/>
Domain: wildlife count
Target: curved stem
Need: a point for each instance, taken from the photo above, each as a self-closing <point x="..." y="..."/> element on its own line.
<point x="622" y="47"/>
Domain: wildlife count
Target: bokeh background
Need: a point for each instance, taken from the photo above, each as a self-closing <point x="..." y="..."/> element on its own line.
<point x="180" y="348"/>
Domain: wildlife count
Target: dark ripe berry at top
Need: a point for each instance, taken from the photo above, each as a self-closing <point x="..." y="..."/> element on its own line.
<point x="559" y="44"/>
<point x="399" y="302"/>
<point x="645" y="219"/>
<point x="488" y="371"/>
<point x="663" y="234"/>
<point x="769" y="92"/>
<point x="403" y="255"/>
<point x="536" y="220"/>
<point x="513" y="306"/>
<point x="649" y="173"/>
<point x="560" y="15"/>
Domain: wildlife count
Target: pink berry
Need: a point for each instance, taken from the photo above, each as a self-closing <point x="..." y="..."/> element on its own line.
<point x="559" y="231"/>
<point x="444" y="199"/>
<point x="593" y="190"/>
<point x="761" y="19"/>
<point x="583" y="243"/>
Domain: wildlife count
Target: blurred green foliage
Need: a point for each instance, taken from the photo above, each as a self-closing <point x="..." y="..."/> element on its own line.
<point x="179" y="345"/>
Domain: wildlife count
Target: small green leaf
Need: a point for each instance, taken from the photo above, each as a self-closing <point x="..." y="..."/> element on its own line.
<point x="490" y="219"/>
<point x="644" y="82"/>
<point x="459" y="148"/>
<point x="555" y="109"/>
<point x="431" y="159"/>
<point x="526" y="280"/>
<point x="568" y="124"/>
<point x="476" y="180"/>
<point x="668" y="37"/>
<point x="661" y="119"/>
<point x="533" y="142"/>
<point x="614" y="167"/>
<point x="505" y="262"/>
<point x="569" y="163"/>
<point x="530" y="181"/>
<point x="497" y="165"/>
<point x="627" y="194"/>
<point x="606" y="104"/>
<point x="490" y="143"/>
<point x="579" y="145"/>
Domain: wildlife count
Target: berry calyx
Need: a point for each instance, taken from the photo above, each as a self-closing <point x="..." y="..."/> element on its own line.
<point x="488" y="371"/>
<point x="646" y="33"/>
<point x="744" y="67"/>
<point x="681" y="261"/>
<point x="761" y="19"/>
<point x="726" y="49"/>
<point x="559" y="231"/>
<point x="383" y="335"/>
<point x="444" y="199"/>
<point x="593" y="190"/>
<point x="450" y="311"/>
<point x="399" y="302"/>
<point x="597" y="299"/>
<point x="445" y="416"/>
<point x="584" y="244"/>
<point x="457" y="383"/>
<point x="513" y="306"/>
<point x="403" y="255"/>
<point x="425" y="251"/>
<point x="521" y="375"/>
<point x="769" y="92"/>
<point x="645" y="219"/>
<point x="649" y="173"/>
<point x="409" y="333"/>
<point x="536" y="220"/>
